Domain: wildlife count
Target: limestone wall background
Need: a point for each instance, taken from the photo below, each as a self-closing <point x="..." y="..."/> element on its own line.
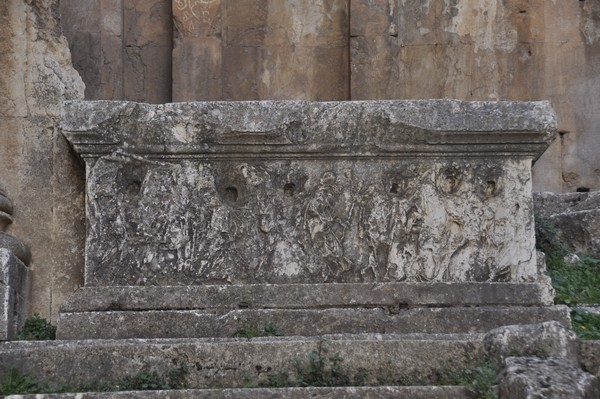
<point x="178" y="50"/>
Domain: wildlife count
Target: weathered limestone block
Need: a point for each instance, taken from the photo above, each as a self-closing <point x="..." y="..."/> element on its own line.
<point x="590" y="356"/>
<point x="300" y="192"/>
<point x="545" y="339"/>
<point x="550" y="204"/>
<point x="574" y="216"/>
<point x="14" y="281"/>
<point x="535" y="377"/>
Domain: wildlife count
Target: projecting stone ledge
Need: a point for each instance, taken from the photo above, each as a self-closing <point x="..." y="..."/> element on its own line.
<point x="301" y="129"/>
<point x="296" y="192"/>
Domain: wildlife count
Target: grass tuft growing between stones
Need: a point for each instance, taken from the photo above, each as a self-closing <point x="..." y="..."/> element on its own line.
<point x="479" y="379"/>
<point x="15" y="382"/>
<point x="325" y="369"/>
<point x="147" y="380"/>
<point x="250" y="330"/>
<point x="320" y="369"/>
<point x="37" y="328"/>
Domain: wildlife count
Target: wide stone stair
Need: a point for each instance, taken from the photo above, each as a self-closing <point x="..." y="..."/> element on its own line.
<point x="381" y="249"/>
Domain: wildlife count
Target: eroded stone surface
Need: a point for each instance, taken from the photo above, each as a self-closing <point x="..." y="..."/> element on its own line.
<point x="589" y="351"/>
<point x="535" y="377"/>
<point x="293" y="221"/>
<point x="176" y="194"/>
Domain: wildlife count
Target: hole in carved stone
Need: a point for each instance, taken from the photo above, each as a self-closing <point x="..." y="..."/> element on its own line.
<point x="289" y="189"/>
<point x="134" y="187"/>
<point x="231" y="194"/>
<point x="490" y="187"/>
<point x="394" y="188"/>
<point x="522" y="11"/>
<point x="449" y="180"/>
<point x="583" y="189"/>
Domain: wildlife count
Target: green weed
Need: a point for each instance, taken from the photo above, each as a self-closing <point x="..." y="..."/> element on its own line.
<point x="585" y="324"/>
<point x="37" y="328"/>
<point x="15" y="382"/>
<point x="322" y="369"/>
<point x="276" y="379"/>
<point x="479" y="379"/>
<point x="147" y="380"/>
<point x="249" y="330"/>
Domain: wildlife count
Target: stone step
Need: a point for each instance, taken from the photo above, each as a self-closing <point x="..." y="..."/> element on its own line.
<point x="299" y="322"/>
<point x="409" y="392"/>
<point x="390" y="359"/>
<point x="307" y="296"/>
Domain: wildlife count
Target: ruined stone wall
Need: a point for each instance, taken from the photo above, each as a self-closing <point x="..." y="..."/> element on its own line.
<point x="37" y="169"/>
<point x="183" y="50"/>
